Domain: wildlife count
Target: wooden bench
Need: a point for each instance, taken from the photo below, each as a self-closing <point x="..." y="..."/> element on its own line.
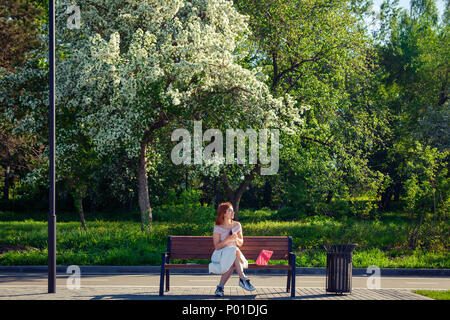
<point x="202" y="247"/>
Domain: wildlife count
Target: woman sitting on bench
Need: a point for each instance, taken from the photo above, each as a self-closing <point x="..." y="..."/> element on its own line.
<point x="228" y="234"/>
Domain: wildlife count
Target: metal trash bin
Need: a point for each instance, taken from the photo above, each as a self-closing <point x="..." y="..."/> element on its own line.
<point x="339" y="268"/>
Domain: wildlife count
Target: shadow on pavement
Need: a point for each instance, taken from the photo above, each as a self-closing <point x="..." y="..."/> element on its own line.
<point x="152" y="296"/>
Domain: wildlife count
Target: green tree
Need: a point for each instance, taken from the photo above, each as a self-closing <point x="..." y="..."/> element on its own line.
<point x="319" y="52"/>
<point x="24" y="98"/>
<point x="414" y="56"/>
<point x="134" y="67"/>
<point x="19" y="154"/>
<point x="20" y="21"/>
<point x="427" y="197"/>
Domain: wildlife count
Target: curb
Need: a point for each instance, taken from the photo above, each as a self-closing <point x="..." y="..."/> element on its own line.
<point x="157" y="270"/>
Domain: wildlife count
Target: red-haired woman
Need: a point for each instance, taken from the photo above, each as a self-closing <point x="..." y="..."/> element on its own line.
<point x="228" y="234"/>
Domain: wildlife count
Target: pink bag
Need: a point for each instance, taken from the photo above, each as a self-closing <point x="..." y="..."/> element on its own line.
<point x="264" y="257"/>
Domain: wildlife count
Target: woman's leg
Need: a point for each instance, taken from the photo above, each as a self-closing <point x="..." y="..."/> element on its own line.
<point x="226" y="276"/>
<point x="238" y="264"/>
<point x="239" y="269"/>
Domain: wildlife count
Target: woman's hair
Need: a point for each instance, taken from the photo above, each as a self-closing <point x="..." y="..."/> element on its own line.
<point x="221" y="210"/>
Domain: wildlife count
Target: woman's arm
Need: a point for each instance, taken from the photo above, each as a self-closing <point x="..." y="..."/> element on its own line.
<point x="240" y="237"/>
<point x="220" y="244"/>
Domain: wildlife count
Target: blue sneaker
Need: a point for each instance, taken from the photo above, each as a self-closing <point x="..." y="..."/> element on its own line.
<point x="219" y="291"/>
<point x="245" y="284"/>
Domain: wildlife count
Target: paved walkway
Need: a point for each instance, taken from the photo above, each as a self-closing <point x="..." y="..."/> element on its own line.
<point x="197" y="293"/>
<point x="202" y="287"/>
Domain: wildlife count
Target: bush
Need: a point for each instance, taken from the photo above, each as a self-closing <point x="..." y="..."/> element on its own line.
<point x="364" y="209"/>
<point x="184" y="214"/>
<point x="339" y="208"/>
<point x="185" y="208"/>
<point x="246" y="215"/>
<point x="290" y="214"/>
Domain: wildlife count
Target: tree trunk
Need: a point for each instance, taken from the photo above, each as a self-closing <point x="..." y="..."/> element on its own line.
<point x="144" y="200"/>
<point x="6" y="186"/>
<point x="413" y="236"/>
<point x="79" y="207"/>
<point x="267" y="197"/>
<point x="397" y="191"/>
<point x="130" y="204"/>
<point x="235" y="196"/>
<point x="329" y="197"/>
<point x="236" y="201"/>
<point x="386" y="196"/>
<point x="92" y="203"/>
<point x="232" y="197"/>
<point x="216" y="194"/>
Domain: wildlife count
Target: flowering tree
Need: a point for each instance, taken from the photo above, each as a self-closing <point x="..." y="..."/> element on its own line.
<point x="24" y="112"/>
<point x="135" y="66"/>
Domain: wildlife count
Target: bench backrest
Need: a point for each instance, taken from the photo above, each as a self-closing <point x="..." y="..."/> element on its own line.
<point x="202" y="247"/>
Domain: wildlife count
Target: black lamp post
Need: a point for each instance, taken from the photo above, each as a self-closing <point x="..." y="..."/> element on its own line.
<point x="51" y="214"/>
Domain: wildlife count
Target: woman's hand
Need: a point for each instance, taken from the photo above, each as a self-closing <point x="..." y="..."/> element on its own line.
<point x="237" y="237"/>
<point x="233" y="237"/>
<point x="220" y="244"/>
<point x="230" y="238"/>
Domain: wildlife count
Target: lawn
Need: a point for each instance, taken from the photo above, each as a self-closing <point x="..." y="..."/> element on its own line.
<point x="434" y="294"/>
<point x="122" y="242"/>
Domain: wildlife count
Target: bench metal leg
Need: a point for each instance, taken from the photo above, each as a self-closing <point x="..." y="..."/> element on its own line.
<point x="288" y="285"/>
<point x="167" y="280"/>
<point x="161" y="280"/>
<point x="293" y="275"/>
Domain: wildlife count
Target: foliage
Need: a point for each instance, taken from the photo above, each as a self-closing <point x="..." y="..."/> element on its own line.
<point x="427" y="196"/>
<point x="20" y="21"/>
<point x="184" y="209"/>
<point x="122" y="243"/>
<point x="364" y="120"/>
<point x="253" y="216"/>
<point x="318" y="52"/>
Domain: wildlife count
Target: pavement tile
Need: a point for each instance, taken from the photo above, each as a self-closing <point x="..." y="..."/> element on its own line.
<point x="196" y="293"/>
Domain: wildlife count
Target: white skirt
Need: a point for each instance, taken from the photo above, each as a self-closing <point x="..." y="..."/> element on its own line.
<point x="223" y="259"/>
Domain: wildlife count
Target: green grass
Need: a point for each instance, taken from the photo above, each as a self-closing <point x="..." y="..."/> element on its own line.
<point x="434" y="294"/>
<point x="122" y="242"/>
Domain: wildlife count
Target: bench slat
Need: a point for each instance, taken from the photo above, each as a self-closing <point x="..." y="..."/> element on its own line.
<point x="251" y="256"/>
<point x="191" y="256"/>
<point x="205" y="266"/>
<point x="245" y="247"/>
<point x="207" y="241"/>
<point x="204" y="242"/>
<point x="252" y="241"/>
<point x="248" y="238"/>
<point x="202" y="247"/>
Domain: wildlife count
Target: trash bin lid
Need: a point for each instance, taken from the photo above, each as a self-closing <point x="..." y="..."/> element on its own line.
<point x="338" y="248"/>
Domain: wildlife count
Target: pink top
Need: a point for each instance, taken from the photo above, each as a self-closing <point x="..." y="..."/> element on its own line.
<point x="224" y="232"/>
